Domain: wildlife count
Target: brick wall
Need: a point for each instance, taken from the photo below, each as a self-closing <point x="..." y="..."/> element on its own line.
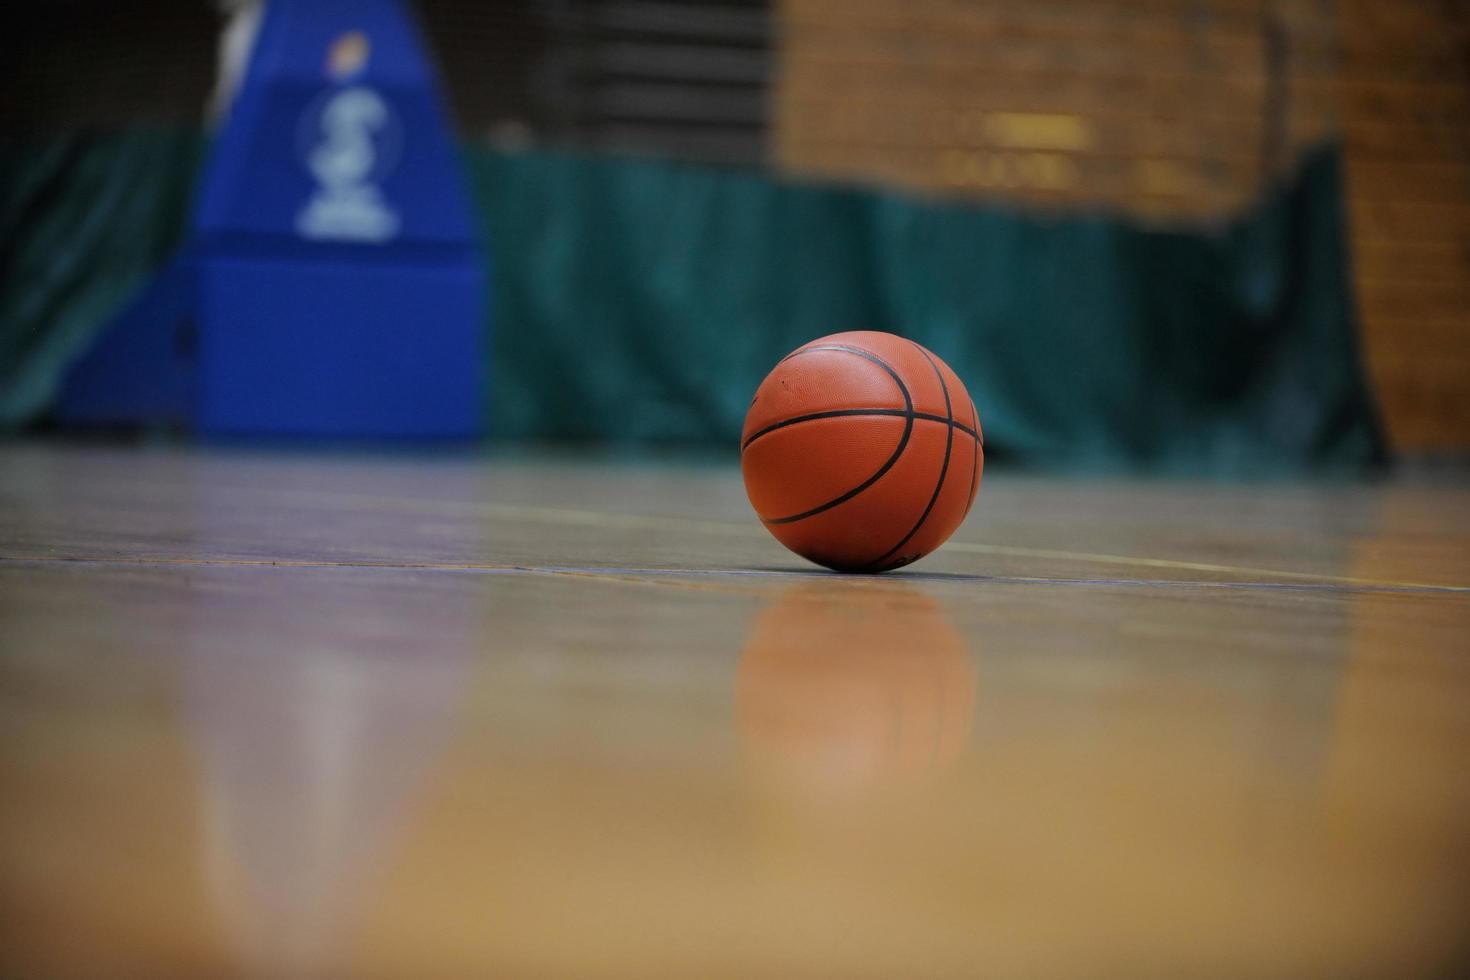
<point x="1169" y="108"/>
<point x="1406" y="108"/>
<point x="1174" y="110"/>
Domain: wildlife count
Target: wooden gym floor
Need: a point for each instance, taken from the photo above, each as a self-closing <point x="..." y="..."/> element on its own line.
<point x="298" y="715"/>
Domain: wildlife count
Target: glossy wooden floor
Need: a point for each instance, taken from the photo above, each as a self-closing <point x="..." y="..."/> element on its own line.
<point x="286" y="715"/>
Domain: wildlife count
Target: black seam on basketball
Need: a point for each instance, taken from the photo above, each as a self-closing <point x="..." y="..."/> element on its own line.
<point x="974" y="462"/>
<point x="908" y="429"/>
<point x="866" y="355"/>
<point x="858" y="412"/>
<point x="847" y="347"/>
<point x="943" y="468"/>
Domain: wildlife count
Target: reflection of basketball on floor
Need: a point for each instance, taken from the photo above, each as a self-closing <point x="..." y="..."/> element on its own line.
<point x="845" y="687"/>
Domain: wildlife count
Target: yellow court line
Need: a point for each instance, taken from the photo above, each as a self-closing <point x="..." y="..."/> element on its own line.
<point x="617" y="575"/>
<point x="549" y="572"/>
<point x="1192" y="566"/>
<point x="589" y="518"/>
<point x="559" y="515"/>
<point x="259" y="562"/>
<point x="663" y="582"/>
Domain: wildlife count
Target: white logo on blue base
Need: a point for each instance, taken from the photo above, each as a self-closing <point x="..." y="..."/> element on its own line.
<point x="350" y="138"/>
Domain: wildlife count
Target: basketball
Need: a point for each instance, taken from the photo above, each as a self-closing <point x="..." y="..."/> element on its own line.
<point x="862" y="451"/>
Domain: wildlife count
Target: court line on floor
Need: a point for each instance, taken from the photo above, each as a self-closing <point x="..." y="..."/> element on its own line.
<point x="625" y="572"/>
<point x="590" y="518"/>
<point x="585" y="517"/>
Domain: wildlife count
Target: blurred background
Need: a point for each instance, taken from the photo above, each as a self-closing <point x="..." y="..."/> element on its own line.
<point x="313" y="713"/>
<point x="1200" y="235"/>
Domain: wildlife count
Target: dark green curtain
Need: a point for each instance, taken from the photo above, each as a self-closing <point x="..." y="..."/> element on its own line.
<point x="638" y="301"/>
<point x="84" y="221"/>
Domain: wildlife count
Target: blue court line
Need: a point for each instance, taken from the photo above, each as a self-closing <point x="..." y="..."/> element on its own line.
<point x="760" y="573"/>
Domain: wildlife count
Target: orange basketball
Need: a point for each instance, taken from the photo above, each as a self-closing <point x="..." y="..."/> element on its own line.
<point x="862" y="451"/>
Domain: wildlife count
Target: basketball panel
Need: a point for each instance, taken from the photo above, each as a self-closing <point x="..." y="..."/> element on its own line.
<point x="813" y="381"/>
<point x="977" y="474"/>
<point x="859" y="531"/>
<point x="793" y="469"/>
<point x="908" y="360"/>
<point x="964" y="406"/>
<point x="950" y="506"/>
